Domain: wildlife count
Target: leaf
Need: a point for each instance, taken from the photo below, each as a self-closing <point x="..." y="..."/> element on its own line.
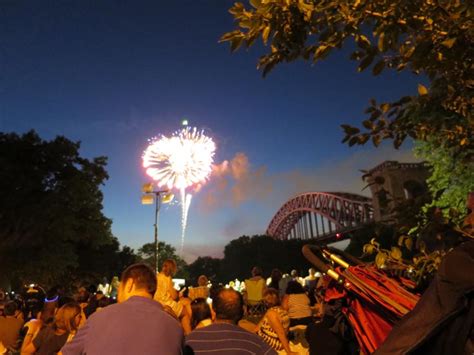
<point x="381" y="42"/>
<point x="368" y="249"/>
<point x="365" y="62"/>
<point x="265" y="34"/>
<point x="376" y="139"/>
<point x="422" y="90"/>
<point x="396" y="253"/>
<point x="378" y="67"/>
<point x="368" y="124"/>
<point x="256" y="3"/>
<point x="401" y="239"/>
<point x="380" y="260"/>
<point x="409" y="243"/>
<point x="235" y="43"/>
<point x="385" y="107"/>
<point x="448" y="43"/>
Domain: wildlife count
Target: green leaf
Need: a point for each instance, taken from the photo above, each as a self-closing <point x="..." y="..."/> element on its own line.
<point x="365" y="62"/>
<point x="376" y="139"/>
<point x="256" y="3"/>
<point x="422" y="90"/>
<point x="381" y="42"/>
<point x="409" y="243"/>
<point x="449" y="42"/>
<point x="265" y="34"/>
<point x="378" y="67"/>
<point x="235" y="43"/>
<point x="380" y="260"/>
<point x="396" y="253"/>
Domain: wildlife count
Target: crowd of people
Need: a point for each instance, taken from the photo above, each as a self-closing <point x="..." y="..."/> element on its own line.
<point x="143" y="313"/>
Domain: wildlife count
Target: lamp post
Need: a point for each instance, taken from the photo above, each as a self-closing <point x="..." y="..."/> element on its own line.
<point x="159" y="197"/>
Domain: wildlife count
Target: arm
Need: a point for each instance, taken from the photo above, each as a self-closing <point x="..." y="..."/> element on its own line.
<point x="275" y="323"/>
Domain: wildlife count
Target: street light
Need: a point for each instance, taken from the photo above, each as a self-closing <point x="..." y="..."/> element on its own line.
<point x="161" y="196"/>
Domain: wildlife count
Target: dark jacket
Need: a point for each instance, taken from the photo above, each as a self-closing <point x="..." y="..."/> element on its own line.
<point x="442" y="321"/>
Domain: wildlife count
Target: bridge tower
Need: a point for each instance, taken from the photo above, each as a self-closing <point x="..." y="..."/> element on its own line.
<point x="391" y="182"/>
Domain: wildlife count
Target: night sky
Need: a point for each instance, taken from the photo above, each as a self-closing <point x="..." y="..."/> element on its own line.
<point x="112" y="74"/>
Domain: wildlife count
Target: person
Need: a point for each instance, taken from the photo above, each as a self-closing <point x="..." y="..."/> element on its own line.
<point x="50" y="339"/>
<point x="224" y="336"/>
<point x="10" y="326"/>
<point x="168" y="296"/>
<point x="135" y="325"/>
<point x="282" y="284"/>
<point x="273" y="328"/>
<point x="274" y="280"/>
<point x="297" y="303"/>
<point x="43" y="318"/>
<point x="104" y="287"/>
<point x="114" y="286"/>
<point x="310" y="282"/>
<point x="201" y="291"/>
<point x="201" y="313"/>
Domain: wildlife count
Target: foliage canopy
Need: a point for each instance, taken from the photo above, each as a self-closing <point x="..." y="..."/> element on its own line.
<point x="430" y="38"/>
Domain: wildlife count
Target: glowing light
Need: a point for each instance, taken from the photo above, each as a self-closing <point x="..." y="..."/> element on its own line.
<point x="179" y="162"/>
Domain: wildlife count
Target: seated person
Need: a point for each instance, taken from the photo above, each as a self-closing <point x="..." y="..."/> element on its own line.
<point x="51" y="339"/>
<point x="201" y="291"/>
<point x="201" y="313"/>
<point x="273" y="328"/>
<point x="297" y="304"/>
<point x="168" y="296"/>
<point x="10" y="326"/>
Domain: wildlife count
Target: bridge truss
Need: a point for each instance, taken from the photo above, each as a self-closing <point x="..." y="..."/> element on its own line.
<point x="321" y="215"/>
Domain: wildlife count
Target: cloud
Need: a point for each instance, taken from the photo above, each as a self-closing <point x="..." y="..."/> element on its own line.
<point x="236" y="182"/>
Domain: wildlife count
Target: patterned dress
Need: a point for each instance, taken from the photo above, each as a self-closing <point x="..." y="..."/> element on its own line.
<point x="268" y="334"/>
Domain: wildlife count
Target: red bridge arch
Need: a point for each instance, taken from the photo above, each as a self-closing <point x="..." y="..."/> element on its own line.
<point x="320" y="215"/>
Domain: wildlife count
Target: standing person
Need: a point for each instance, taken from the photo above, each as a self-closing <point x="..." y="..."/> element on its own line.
<point x="135" y="325"/>
<point x="224" y="336"/>
<point x="168" y="296"/>
<point x="51" y="339"/>
<point x="201" y="291"/>
<point x="114" y="286"/>
<point x="310" y="282"/>
<point x="275" y="278"/>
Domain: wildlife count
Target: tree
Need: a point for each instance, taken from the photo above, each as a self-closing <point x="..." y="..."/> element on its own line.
<point x="241" y="254"/>
<point x="50" y="205"/>
<point x="211" y="267"/>
<point x="452" y="176"/>
<point x="430" y="38"/>
<point x="165" y="251"/>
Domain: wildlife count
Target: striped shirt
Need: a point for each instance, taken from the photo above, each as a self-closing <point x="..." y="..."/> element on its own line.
<point x="226" y="339"/>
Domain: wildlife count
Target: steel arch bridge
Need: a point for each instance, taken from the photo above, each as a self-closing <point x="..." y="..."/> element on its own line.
<point x="321" y="216"/>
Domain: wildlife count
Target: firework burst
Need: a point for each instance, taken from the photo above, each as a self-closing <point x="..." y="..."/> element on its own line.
<point x="180" y="162"/>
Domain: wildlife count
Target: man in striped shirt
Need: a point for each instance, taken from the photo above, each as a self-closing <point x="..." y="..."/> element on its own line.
<point x="224" y="336"/>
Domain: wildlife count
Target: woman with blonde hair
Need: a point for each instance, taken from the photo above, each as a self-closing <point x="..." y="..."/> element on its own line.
<point x="52" y="338"/>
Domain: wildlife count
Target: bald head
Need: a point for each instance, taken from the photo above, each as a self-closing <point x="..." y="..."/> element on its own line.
<point x="228" y="305"/>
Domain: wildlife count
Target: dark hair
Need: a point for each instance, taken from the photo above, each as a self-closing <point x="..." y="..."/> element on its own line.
<point x="271" y="297"/>
<point x="228" y="305"/>
<point x="103" y="302"/>
<point x="294" y="287"/>
<point x="200" y="311"/>
<point x="10" y="308"/>
<point x="256" y="271"/>
<point x="143" y="276"/>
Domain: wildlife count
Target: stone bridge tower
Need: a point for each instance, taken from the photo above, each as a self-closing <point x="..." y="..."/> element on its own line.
<point x="391" y="182"/>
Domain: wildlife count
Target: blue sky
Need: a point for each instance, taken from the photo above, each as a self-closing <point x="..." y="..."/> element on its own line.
<point x="112" y="74"/>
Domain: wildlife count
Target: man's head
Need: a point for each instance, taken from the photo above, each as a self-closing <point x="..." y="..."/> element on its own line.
<point x="137" y="280"/>
<point x="228" y="305"/>
<point x="169" y="267"/>
<point x="10" y="308"/>
<point x="256" y="271"/>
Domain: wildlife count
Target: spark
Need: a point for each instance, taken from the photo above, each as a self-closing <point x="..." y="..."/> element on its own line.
<point x="180" y="162"/>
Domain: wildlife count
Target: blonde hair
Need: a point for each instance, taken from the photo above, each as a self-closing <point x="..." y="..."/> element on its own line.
<point x="66" y="317"/>
<point x="202" y="280"/>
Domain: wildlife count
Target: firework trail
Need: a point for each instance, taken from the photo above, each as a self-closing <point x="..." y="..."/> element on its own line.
<point x="180" y="162"/>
